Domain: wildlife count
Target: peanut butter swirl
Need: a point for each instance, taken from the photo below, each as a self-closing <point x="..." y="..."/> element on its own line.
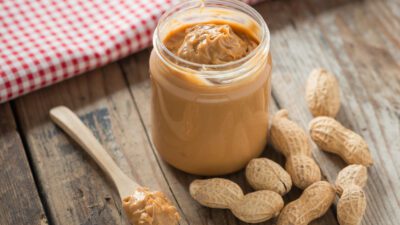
<point x="210" y="43"/>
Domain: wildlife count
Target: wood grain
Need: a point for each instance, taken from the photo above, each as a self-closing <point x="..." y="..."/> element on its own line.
<point x="19" y="199"/>
<point x="76" y="191"/>
<point x="353" y="41"/>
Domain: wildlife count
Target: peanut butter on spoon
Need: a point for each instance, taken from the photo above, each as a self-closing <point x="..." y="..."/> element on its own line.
<point x="149" y="208"/>
<point x="142" y="206"/>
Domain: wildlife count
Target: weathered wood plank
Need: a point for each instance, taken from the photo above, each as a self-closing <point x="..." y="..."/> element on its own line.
<point x="136" y="71"/>
<point x="19" y="198"/>
<point x="75" y="189"/>
<point x="358" y="41"/>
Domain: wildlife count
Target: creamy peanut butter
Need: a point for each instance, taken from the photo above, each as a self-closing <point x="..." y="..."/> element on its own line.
<point x="210" y="43"/>
<point x="210" y="118"/>
<point x="149" y="208"/>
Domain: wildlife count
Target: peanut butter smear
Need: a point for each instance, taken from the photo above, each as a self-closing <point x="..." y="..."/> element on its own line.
<point x="210" y="43"/>
<point x="150" y="208"/>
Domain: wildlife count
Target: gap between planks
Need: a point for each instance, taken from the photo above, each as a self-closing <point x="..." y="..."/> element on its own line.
<point x="20" y="195"/>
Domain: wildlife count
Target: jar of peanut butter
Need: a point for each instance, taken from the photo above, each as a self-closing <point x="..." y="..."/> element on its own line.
<point x="210" y="70"/>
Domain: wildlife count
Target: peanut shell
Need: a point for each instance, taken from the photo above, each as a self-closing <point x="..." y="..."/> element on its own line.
<point x="303" y="170"/>
<point x="312" y="204"/>
<point x="258" y="206"/>
<point x="352" y="174"/>
<point x="265" y="174"/>
<point x="216" y="192"/>
<point x="351" y="206"/>
<point x="331" y="136"/>
<point x="291" y="140"/>
<point x="322" y="93"/>
<point x="287" y="137"/>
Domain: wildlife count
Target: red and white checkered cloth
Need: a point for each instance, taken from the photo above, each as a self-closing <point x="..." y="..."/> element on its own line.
<point x="45" y="41"/>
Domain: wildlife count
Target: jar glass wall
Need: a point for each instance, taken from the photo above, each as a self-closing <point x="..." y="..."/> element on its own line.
<point x="210" y="119"/>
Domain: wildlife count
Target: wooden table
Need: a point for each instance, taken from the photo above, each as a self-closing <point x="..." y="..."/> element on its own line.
<point x="45" y="178"/>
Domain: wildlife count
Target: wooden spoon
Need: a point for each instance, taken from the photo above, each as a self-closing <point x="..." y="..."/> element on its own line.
<point x="141" y="205"/>
<point x="73" y="126"/>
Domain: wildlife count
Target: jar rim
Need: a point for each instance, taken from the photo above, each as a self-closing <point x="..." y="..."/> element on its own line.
<point x="234" y="4"/>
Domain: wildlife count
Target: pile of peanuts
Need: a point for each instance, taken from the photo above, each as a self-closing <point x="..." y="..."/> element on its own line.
<point x="270" y="181"/>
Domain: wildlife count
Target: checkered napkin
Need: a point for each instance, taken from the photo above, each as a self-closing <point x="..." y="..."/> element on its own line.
<point x="45" y="41"/>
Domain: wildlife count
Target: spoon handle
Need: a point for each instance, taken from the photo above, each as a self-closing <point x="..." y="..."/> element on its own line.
<point x="73" y="126"/>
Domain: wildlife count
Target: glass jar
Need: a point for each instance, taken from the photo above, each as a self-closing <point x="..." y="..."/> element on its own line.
<point x="210" y="119"/>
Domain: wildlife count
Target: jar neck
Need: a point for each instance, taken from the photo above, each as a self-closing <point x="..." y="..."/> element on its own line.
<point x="195" y="11"/>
